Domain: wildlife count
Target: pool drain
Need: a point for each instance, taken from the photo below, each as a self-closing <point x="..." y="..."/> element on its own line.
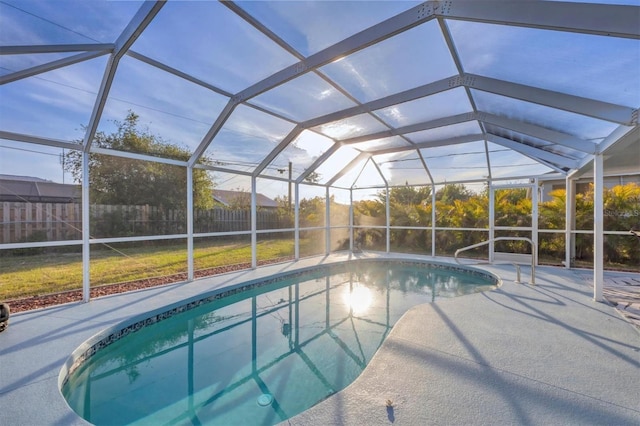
<point x="265" y="399"/>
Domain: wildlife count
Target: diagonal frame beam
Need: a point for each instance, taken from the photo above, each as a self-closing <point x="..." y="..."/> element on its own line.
<point x="550" y="165"/>
<point x="442" y="142"/>
<point x="388" y="28"/>
<point x="213" y="131"/>
<point x="278" y="149"/>
<point x="535" y="153"/>
<point x="328" y="153"/>
<point x="543" y="133"/>
<point x="177" y="73"/>
<point x="353" y="163"/>
<point x="136" y="26"/>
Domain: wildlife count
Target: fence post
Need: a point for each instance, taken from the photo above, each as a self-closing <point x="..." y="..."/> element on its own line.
<point x="60" y="218"/>
<point x="6" y="223"/>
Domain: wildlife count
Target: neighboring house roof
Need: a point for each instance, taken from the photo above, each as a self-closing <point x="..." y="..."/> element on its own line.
<point x="22" y="178"/>
<point x="228" y="198"/>
<point x="36" y="190"/>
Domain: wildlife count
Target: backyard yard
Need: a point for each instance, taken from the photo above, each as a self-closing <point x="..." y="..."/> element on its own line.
<point x="31" y="275"/>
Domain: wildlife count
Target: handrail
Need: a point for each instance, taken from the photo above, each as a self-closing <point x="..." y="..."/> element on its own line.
<point x="529" y="240"/>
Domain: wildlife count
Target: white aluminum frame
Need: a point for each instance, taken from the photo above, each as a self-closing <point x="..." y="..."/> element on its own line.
<point x="558" y="16"/>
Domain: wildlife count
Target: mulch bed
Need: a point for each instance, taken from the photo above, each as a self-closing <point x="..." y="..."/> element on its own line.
<point x="47" y="300"/>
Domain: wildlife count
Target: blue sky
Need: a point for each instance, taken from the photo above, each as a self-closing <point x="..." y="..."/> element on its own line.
<point x="208" y="41"/>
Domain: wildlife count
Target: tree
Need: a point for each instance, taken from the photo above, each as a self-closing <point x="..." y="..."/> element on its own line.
<point x="459" y="207"/>
<point x="124" y="181"/>
<point x="312" y="212"/>
<point x="408" y="195"/>
<point x="621" y="213"/>
<point x="513" y="207"/>
<point x="453" y="191"/>
<point x="408" y="207"/>
<point x="552" y="212"/>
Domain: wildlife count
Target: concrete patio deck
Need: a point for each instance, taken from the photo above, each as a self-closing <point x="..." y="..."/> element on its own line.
<point x="521" y="354"/>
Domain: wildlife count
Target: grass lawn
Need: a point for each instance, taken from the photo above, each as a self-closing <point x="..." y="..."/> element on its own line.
<point x="23" y="276"/>
<point x="30" y="275"/>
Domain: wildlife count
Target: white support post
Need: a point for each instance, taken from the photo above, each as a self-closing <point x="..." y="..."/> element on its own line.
<point x="327" y="248"/>
<point x="433" y="220"/>
<point x="296" y="212"/>
<point x="598" y="227"/>
<point x="569" y="218"/>
<point x="351" y="220"/>
<point x="254" y="224"/>
<point x="190" y="263"/>
<point x="492" y="216"/>
<point x="534" y="221"/>
<point x="388" y="221"/>
<point x="86" y="248"/>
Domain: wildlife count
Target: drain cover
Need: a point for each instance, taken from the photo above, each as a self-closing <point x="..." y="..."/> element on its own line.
<point x="265" y="399"/>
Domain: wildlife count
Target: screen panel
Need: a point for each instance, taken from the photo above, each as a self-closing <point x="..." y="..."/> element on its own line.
<point x="213" y="44"/>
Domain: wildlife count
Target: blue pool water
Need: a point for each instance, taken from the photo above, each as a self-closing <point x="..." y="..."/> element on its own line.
<point x="260" y="356"/>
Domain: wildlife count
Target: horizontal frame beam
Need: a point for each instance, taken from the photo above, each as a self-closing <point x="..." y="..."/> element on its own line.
<point x="398" y="98"/>
<point x="412" y="128"/>
<point x="136" y="156"/>
<point x="579" y="105"/>
<point x="598" y="19"/>
<point x="20" y="137"/>
<point x="432" y="144"/>
<point x="56" y="48"/>
<point x="50" y="66"/>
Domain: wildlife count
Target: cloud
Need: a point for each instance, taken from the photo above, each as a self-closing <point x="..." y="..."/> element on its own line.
<point x="27" y="22"/>
<point x="332" y="20"/>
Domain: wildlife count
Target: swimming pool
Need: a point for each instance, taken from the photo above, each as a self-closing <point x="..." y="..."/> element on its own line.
<point x="258" y="353"/>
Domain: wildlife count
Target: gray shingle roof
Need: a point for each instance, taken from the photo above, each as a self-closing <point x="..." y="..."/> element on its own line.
<point x="37" y="190"/>
<point x="240" y="197"/>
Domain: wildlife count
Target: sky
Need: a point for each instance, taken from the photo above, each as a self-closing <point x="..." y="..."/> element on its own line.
<point x="211" y="43"/>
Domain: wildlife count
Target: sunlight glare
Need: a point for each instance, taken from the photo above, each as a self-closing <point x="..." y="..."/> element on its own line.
<point x="359" y="299"/>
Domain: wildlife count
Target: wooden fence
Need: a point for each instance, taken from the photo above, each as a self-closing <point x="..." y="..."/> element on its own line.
<point x="22" y="222"/>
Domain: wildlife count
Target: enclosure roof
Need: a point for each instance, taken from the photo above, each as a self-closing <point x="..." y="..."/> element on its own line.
<point x="348" y="94"/>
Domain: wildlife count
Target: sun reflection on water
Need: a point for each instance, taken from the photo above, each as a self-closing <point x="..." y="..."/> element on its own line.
<point x="358" y="298"/>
